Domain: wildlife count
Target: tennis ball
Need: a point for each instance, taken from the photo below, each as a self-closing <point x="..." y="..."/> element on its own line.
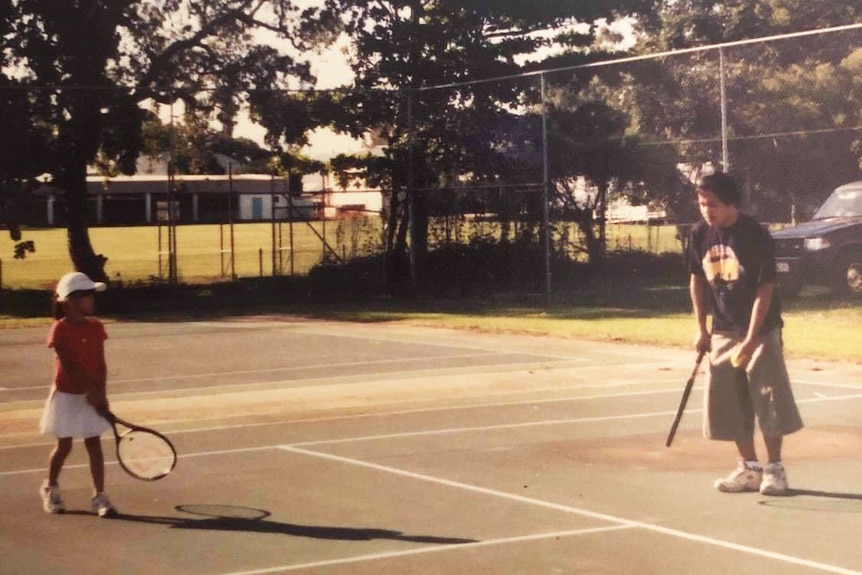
<point x="738" y="358"/>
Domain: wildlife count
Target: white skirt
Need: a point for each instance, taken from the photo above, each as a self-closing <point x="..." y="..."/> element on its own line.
<point x="70" y="415"/>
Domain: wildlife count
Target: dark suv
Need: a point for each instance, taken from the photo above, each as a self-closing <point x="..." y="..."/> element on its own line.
<point x="826" y="250"/>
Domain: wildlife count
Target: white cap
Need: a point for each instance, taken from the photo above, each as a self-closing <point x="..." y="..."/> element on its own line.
<point x="76" y="281"/>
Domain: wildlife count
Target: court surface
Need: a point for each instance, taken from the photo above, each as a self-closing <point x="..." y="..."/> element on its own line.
<point x="322" y="447"/>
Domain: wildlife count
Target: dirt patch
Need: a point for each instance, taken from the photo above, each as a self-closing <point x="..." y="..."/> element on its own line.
<point x="693" y="453"/>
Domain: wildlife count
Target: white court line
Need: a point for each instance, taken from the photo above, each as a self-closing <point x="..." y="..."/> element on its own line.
<point x="825" y="384"/>
<point x="829" y="398"/>
<point x="408" y="434"/>
<point x="548" y="422"/>
<point x="620" y="521"/>
<point x="419" y="340"/>
<point x="818" y="399"/>
<point x="425" y="550"/>
<point x="393" y="413"/>
<point x="284" y="368"/>
<point x="179" y="456"/>
<point x="446" y="431"/>
<point x="192" y="376"/>
<point x="454" y="430"/>
<point x="513" y="497"/>
<point x="341" y="379"/>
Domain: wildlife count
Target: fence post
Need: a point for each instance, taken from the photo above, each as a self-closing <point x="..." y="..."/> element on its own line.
<point x="725" y="155"/>
<point x="546" y="192"/>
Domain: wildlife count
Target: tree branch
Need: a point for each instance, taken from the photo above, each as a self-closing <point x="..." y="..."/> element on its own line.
<point x="162" y="61"/>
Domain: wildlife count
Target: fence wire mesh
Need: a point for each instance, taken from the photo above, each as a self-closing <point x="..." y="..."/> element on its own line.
<point x="522" y="180"/>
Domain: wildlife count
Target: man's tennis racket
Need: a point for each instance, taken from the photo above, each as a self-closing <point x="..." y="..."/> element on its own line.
<point x="681" y="409"/>
<point x="142" y="452"/>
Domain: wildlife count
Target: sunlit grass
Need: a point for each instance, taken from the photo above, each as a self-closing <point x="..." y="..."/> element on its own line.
<point x="139" y="254"/>
<point x="815" y="327"/>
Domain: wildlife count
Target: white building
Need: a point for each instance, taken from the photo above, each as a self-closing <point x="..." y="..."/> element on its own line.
<point x="214" y="198"/>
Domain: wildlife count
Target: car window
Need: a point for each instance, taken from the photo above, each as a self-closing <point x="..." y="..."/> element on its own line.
<point x="841" y="204"/>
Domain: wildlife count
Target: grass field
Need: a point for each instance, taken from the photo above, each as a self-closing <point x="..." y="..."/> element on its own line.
<point x="134" y="252"/>
<point x="816" y="327"/>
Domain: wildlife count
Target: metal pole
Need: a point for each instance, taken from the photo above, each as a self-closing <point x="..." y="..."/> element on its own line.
<point x="413" y="59"/>
<point x="290" y="227"/>
<point x="323" y="222"/>
<point x="230" y="221"/>
<point x="411" y="224"/>
<point x="173" y="276"/>
<point x="725" y="156"/>
<point x="272" y="221"/>
<point x="546" y="183"/>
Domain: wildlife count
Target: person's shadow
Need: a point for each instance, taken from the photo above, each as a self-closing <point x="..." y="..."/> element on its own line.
<point x="250" y="520"/>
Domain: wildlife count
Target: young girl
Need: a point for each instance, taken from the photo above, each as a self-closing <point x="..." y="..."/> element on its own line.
<point x="78" y="393"/>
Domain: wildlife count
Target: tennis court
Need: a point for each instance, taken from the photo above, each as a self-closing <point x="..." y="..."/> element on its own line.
<point x="325" y="447"/>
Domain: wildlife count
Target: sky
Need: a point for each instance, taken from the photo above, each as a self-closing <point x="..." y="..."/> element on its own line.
<point x="332" y="71"/>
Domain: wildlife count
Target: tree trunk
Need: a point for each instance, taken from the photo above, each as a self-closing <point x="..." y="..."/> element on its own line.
<point x="420" y="223"/>
<point x="81" y="252"/>
<point x="595" y="252"/>
<point x="602" y="211"/>
<point x="394" y="256"/>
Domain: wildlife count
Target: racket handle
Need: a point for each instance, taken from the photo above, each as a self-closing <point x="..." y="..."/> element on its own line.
<point x="107" y="414"/>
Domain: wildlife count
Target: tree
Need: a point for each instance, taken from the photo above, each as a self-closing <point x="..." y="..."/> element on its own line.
<point x="81" y="69"/>
<point x="400" y="51"/>
<point x="793" y="111"/>
<point x="24" y="142"/>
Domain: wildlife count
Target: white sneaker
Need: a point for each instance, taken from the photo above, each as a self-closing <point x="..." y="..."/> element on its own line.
<point x="774" y="480"/>
<point x="743" y="478"/>
<point x="103" y="506"/>
<point x="51" y="500"/>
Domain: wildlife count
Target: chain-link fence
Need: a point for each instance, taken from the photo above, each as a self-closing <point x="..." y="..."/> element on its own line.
<point x="532" y="182"/>
<point x="600" y="159"/>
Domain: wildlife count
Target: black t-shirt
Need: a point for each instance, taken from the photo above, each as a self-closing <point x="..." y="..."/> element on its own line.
<point x="735" y="261"/>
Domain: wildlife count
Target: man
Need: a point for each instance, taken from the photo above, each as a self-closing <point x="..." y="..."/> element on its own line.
<point x="732" y="263"/>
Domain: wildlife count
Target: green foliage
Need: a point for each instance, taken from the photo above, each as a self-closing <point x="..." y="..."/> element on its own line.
<point x="792" y="104"/>
<point x="23" y="248"/>
<point x="476" y="132"/>
<point x="77" y="72"/>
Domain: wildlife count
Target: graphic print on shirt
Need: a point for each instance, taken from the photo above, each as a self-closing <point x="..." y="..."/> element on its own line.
<point x="721" y="265"/>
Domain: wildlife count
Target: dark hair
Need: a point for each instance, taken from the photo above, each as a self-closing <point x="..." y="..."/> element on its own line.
<point x="723" y="186"/>
<point x="57" y="307"/>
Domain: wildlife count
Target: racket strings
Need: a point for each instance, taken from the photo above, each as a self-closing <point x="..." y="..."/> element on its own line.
<point x="146" y="455"/>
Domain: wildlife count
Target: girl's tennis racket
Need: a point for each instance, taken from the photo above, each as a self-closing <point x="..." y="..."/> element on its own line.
<point x="142" y="452"/>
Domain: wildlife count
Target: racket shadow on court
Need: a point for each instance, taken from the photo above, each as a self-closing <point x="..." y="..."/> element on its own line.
<point x="816" y="500"/>
<point x="251" y="520"/>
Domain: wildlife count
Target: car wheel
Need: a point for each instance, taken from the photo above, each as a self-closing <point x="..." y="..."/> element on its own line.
<point x="847" y="278"/>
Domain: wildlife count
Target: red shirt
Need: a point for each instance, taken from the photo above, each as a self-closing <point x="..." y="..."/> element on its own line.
<point x="82" y="347"/>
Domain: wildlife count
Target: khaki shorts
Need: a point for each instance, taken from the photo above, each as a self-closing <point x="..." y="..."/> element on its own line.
<point x="734" y="397"/>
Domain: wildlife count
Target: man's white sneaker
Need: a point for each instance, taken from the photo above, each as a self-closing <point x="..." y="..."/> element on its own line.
<point x="51" y="500"/>
<point x="102" y="506"/>
<point x="742" y="479"/>
<point x="774" y="480"/>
